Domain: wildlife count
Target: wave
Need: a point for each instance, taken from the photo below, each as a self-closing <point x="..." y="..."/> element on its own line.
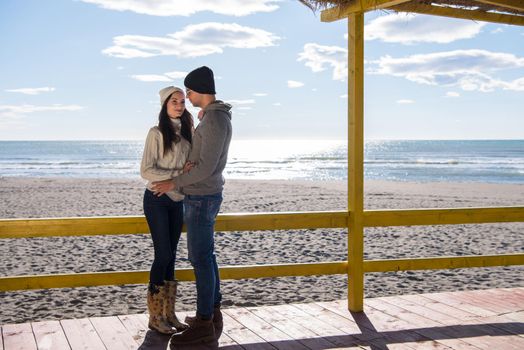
<point x="496" y="161"/>
<point x="381" y="162"/>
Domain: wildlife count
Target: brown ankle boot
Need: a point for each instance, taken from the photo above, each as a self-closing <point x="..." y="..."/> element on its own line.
<point x="218" y="321"/>
<point x="169" y="307"/>
<point x="155" y="307"/>
<point x="199" y="331"/>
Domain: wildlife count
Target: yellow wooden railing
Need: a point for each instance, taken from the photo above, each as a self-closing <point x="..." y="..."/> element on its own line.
<point x="27" y="228"/>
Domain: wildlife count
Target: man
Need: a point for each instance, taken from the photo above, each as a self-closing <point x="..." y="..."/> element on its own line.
<point x="202" y="187"/>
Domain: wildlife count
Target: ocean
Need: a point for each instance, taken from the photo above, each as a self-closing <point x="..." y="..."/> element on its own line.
<point x="493" y="161"/>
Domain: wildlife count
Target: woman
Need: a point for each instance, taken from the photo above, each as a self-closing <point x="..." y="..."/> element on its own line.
<point x="165" y="153"/>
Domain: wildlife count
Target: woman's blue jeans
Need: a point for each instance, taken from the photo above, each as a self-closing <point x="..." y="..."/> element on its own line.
<point x="165" y="218"/>
<point x="200" y="212"/>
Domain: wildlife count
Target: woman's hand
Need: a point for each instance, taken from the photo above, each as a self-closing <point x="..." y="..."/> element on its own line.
<point x="188" y="166"/>
<point x="161" y="187"/>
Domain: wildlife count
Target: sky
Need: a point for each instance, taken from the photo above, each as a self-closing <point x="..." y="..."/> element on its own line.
<point x="92" y="69"/>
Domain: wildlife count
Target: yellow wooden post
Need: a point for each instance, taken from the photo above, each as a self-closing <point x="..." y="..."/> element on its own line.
<point x="356" y="162"/>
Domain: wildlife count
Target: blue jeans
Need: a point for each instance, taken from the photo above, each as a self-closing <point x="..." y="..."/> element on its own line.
<point x="165" y="218"/>
<point x="200" y="212"/>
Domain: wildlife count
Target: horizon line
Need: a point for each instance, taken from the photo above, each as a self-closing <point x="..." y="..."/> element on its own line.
<point x="273" y="140"/>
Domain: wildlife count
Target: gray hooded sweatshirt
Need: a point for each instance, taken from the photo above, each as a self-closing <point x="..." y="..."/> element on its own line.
<point x="209" y="152"/>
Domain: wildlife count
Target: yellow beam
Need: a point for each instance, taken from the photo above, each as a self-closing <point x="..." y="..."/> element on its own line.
<point x="87" y="279"/>
<point x="510" y="4"/>
<point x="437" y="263"/>
<point x="281" y="270"/>
<point x="25" y="228"/>
<point x="414" y="217"/>
<point x="140" y="277"/>
<point x="46" y="227"/>
<point x="475" y="15"/>
<point x="356" y="162"/>
<point x="258" y="271"/>
<point x="357" y="6"/>
<point x="281" y="221"/>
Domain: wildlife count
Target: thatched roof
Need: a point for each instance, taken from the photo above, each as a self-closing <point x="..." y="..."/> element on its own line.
<point x="514" y="7"/>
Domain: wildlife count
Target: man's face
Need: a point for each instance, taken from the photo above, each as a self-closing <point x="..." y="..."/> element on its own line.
<point x="193" y="97"/>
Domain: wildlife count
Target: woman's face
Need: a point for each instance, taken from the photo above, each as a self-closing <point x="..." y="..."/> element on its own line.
<point x="176" y="105"/>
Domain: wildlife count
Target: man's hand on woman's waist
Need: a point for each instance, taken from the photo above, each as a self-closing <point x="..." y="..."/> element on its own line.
<point x="161" y="187"/>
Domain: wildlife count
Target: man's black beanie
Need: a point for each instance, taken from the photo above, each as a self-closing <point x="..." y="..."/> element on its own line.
<point x="201" y="80"/>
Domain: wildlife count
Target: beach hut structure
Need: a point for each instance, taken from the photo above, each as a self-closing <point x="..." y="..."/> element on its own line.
<point x="496" y="11"/>
<point x="354" y="219"/>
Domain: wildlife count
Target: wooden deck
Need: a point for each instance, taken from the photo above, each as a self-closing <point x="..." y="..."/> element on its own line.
<point x="487" y="319"/>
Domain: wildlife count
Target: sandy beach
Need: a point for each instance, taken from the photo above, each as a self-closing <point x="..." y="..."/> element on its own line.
<point x="67" y="197"/>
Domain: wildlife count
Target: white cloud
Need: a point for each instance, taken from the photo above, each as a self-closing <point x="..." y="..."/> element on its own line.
<point x="294" y="84"/>
<point x="405" y="102"/>
<point x="241" y="102"/>
<point x="260" y="94"/>
<point x="497" y="30"/>
<point x="12" y="115"/>
<point x="26" y="109"/>
<point x="320" y="57"/>
<point x="452" y="94"/>
<point x="151" y="78"/>
<point x="466" y="69"/>
<point x="277" y="104"/>
<point x="188" y="7"/>
<point x="176" y="75"/>
<point x="245" y="108"/>
<point x="194" y="40"/>
<point x="166" y="77"/>
<point x="32" y="91"/>
<point x="344" y="96"/>
<point x="409" y="29"/>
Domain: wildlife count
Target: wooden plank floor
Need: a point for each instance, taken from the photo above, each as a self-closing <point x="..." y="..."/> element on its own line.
<point x="486" y="319"/>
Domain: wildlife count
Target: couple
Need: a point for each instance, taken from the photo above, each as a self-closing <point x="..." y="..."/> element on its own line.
<point x="183" y="167"/>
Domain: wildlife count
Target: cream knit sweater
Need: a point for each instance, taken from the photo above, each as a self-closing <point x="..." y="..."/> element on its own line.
<point x="156" y="166"/>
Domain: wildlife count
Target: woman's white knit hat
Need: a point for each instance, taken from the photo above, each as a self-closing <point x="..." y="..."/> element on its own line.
<point x="166" y="92"/>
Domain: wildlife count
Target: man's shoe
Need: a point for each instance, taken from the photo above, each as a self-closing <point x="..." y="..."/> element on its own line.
<point x="218" y="321"/>
<point x="199" y="331"/>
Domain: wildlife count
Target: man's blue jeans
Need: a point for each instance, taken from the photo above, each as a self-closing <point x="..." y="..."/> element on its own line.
<point x="200" y="212"/>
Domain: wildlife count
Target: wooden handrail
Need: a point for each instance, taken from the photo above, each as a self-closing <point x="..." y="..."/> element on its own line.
<point x="115" y="225"/>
